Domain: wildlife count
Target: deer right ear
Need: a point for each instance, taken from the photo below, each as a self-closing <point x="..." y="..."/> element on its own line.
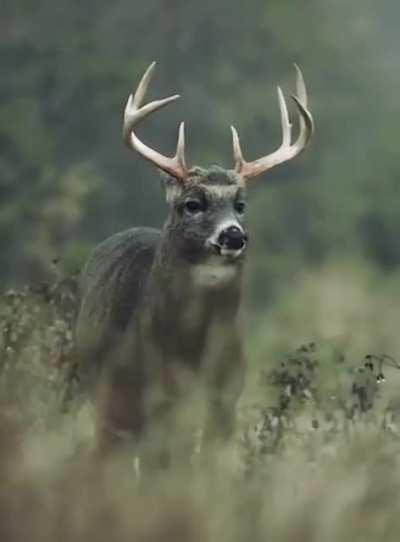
<point x="173" y="187"/>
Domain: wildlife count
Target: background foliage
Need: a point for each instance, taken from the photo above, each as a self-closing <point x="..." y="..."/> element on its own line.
<point x="324" y="258"/>
<point x="67" y="181"/>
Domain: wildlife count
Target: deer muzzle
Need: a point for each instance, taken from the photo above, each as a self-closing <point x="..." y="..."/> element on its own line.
<point x="230" y="242"/>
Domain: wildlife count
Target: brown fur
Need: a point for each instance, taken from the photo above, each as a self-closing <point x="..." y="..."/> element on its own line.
<point x="148" y="335"/>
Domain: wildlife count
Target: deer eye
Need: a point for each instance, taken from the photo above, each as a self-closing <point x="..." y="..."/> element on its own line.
<point x="193" y="206"/>
<point x="240" y="207"/>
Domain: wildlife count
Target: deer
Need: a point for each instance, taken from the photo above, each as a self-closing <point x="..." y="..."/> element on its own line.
<point x="159" y="311"/>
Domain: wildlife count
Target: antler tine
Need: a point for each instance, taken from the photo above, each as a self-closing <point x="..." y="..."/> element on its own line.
<point x="286" y="151"/>
<point x="301" y="91"/>
<point x="237" y="151"/>
<point x="142" y="86"/>
<point x="306" y="127"/>
<point x="180" y="147"/>
<point x="135" y="112"/>
<point x="301" y="100"/>
<point x="286" y="124"/>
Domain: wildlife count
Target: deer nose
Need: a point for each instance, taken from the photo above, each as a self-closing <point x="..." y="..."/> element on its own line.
<point x="232" y="238"/>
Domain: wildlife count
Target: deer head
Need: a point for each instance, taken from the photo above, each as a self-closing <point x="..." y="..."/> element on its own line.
<point x="207" y="205"/>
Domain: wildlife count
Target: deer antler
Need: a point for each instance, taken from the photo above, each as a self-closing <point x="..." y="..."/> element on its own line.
<point x="135" y="112"/>
<point x="286" y="151"/>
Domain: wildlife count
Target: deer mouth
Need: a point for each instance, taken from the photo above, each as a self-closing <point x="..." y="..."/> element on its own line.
<point x="226" y="253"/>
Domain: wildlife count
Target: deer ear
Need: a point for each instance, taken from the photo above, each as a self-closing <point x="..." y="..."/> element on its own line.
<point x="173" y="187"/>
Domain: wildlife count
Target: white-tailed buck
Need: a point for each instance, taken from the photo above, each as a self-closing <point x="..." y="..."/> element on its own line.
<point x="159" y="309"/>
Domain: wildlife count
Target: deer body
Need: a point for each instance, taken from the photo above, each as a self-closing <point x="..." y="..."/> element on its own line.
<point x="159" y="313"/>
<point x="149" y="309"/>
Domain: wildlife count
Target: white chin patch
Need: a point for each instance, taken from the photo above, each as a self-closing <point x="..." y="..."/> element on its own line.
<point x="229" y="253"/>
<point x="213" y="273"/>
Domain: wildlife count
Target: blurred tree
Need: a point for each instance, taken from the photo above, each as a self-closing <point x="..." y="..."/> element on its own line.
<point x="66" y="180"/>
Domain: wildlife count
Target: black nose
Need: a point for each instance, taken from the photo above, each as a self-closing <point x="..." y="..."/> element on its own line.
<point x="233" y="238"/>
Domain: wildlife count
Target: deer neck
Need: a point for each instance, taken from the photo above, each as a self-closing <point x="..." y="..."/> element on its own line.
<point x="204" y="285"/>
<point x="179" y="312"/>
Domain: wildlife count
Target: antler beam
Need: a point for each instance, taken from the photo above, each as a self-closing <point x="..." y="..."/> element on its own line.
<point x="286" y="151"/>
<point x="135" y="113"/>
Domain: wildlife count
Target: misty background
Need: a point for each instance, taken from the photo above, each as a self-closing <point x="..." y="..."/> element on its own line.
<point x="316" y="455"/>
<point x="325" y="253"/>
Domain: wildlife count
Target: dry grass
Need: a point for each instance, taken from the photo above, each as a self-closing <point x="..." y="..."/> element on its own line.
<point x="315" y="456"/>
